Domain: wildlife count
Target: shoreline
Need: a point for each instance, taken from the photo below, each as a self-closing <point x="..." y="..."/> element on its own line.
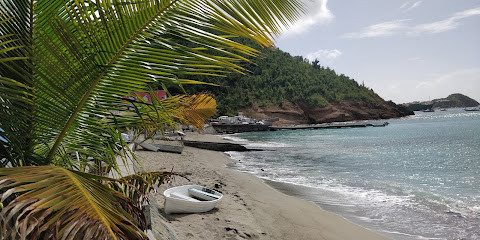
<point x="250" y="209"/>
<point x="305" y="193"/>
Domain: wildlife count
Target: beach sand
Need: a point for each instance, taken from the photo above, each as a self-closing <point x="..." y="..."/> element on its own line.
<point x="250" y="209"/>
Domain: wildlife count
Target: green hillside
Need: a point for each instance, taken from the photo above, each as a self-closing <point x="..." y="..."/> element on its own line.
<point x="455" y="100"/>
<point x="277" y="76"/>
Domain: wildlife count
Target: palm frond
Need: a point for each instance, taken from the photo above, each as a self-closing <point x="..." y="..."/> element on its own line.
<point x="65" y="67"/>
<point x="51" y="202"/>
<point x="195" y="109"/>
<point x="184" y="109"/>
<point x="138" y="186"/>
<point x="78" y="58"/>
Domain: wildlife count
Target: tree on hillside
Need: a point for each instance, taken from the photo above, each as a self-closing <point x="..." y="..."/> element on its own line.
<point x="276" y="76"/>
<point x="65" y="69"/>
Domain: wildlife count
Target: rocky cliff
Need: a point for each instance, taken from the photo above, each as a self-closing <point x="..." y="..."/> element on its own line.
<point x="301" y="113"/>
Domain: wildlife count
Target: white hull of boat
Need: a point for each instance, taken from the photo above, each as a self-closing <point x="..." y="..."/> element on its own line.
<point x="179" y="200"/>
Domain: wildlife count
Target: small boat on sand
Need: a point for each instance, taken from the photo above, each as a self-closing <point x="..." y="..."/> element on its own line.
<point x="168" y="148"/>
<point x="190" y="199"/>
<point x="173" y="147"/>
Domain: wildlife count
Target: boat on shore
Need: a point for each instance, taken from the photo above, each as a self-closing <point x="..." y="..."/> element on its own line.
<point x="162" y="146"/>
<point x="429" y="110"/>
<point x="190" y="199"/>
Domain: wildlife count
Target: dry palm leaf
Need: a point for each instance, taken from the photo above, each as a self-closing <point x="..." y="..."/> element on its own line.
<point x="50" y="202"/>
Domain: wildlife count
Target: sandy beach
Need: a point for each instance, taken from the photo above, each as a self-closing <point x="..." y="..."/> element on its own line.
<point x="250" y="209"/>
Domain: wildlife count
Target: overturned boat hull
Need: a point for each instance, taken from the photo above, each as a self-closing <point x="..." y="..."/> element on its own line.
<point x="173" y="147"/>
<point x="180" y="200"/>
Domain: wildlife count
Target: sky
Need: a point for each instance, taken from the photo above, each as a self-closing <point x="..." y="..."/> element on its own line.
<point x="404" y="50"/>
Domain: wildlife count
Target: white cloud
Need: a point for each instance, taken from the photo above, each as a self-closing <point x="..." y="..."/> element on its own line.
<point x="318" y="14"/>
<point x="416" y="59"/>
<point x="404" y="5"/>
<point x="416" y="4"/>
<point x="324" y="55"/>
<point x="444" y="25"/>
<point x="468" y="13"/>
<point x="424" y="87"/>
<point x="465" y="81"/>
<point x="379" y="30"/>
<point x="434" y="27"/>
<point x="410" y="5"/>
<point x="401" y="27"/>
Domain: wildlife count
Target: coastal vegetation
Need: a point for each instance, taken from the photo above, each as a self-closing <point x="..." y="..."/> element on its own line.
<point x="276" y="77"/>
<point x="455" y="100"/>
<point x="66" y="68"/>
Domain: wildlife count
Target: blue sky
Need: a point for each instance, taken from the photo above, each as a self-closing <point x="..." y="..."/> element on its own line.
<point x="403" y="50"/>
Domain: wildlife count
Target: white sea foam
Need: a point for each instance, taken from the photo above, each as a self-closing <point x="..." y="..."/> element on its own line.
<point x="463" y="210"/>
<point x="458" y="113"/>
<point x="346" y="193"/>
<point x="236" y="155"/>
<point x="398" y="234"/>
<point x="252" y="144"/>
<point x="266" y="145"/>
<point x="381" y="207"/>
<point x="289" y="175"/>
<point x="363" y="196"/>
<point x="235" y="139"/>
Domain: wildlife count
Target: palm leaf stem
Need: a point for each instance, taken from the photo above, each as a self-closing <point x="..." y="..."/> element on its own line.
<point x="94" y="84"/>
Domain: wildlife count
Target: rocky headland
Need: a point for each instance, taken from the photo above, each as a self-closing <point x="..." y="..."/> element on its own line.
<point x="452" y="101"/>
<point x="297" y="91"/>
<point x="301" y="113"/>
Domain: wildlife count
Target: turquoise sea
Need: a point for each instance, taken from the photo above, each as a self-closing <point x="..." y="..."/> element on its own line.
<point x="417" y="178"/>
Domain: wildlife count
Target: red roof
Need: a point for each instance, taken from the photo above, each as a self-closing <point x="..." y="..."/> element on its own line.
<point x="161" y="94"/>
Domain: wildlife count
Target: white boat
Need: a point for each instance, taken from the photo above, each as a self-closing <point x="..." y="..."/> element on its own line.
<point x="173" y="147"/>
<point x="168" y="147"/>
<point x="126" y="137"/>
<point x="190" y="199"/>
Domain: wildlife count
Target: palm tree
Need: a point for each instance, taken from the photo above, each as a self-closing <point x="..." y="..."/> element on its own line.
<point x="65" y="69"/>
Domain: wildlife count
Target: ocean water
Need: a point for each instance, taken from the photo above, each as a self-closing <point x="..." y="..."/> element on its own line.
<point x="417" y="178"/>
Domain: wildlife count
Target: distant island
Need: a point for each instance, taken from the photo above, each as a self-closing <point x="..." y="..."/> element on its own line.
<point x="455" y="100"/>
<point x="297" y="91"/>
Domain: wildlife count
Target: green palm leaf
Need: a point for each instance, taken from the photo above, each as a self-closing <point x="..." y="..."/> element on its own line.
<point x="65" y="67"/>
<point x="56" y="202"/>
<point x="81" y="57"/>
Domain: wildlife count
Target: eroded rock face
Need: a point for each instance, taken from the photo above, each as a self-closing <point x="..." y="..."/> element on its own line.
<point x="288" y="113"/>
<point x="301" y="113"/>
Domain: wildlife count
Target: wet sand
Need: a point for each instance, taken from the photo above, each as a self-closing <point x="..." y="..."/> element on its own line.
<point x="250" y="209"/>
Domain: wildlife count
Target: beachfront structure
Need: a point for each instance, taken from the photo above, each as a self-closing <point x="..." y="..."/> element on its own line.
<point x="242" y="120"/>
<point x="240" y="123"/>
